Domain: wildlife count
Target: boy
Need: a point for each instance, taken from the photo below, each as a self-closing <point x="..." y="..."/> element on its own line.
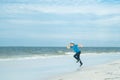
<point x="77" y="51"/>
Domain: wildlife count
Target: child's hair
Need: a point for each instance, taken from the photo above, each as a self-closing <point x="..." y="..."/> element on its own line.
<point x="72" y="43"/>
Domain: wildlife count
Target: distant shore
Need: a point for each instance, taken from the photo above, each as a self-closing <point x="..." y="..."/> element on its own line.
<point x="108" y="71"/>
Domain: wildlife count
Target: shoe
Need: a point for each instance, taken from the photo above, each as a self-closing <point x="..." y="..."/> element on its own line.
<point x="77" y="61"/>
<point x="81" y="64"/>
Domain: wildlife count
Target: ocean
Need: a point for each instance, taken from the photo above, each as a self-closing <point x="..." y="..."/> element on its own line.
<point x="9" y="53"/>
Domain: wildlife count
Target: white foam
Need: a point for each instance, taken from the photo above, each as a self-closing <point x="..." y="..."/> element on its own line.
<point x="54" y="56"/>
<point x="32" y="57"/>
<point x="69" y="53"/>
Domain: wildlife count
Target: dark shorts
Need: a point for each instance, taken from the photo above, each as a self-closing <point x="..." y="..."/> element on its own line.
<point x="78" y="52"/>
<point x="77" y="55"/>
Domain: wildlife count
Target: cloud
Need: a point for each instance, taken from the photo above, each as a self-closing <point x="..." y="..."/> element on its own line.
<point x="96" y="35"/>
<point x="97" y="10"/>
<point x="60" y="20"/>
<point x="63" y="2"/>
<point x="109" y="21"/>
<point x="81" y="9"/>
<point x="35" y="22"/>
<point x="62" y="7"/>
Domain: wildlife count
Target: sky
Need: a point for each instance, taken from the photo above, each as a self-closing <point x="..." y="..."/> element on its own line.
<point x="93" y="23"/>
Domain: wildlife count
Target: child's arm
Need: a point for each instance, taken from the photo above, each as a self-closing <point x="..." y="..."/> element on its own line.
<point x="79" y="45"/>
<point x="68" y="46"/>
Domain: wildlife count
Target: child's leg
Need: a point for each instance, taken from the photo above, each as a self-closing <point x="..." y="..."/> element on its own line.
<point x="76" y="56"/>
<point x="80" y="62"/>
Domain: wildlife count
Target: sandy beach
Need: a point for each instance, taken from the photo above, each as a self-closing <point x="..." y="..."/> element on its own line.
<point x="109" y="71"/>
<point x="64" y="67"/>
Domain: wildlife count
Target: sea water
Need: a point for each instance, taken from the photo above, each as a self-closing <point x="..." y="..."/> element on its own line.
<point x="40" y="63"/>
<point x="9" y="53"/>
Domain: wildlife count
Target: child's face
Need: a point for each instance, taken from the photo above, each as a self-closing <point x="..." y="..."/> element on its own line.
<point x="71" y="44"/>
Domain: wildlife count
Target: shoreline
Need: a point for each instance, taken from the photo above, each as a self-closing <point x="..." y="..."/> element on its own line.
<point x="108" y="71"/>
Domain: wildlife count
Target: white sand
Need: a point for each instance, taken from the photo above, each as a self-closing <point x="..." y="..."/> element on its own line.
<point x="45" y="68"/>
<point x="109" y="71"/>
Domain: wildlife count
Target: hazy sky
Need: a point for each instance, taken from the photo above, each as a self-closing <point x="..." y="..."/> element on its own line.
<point x="58" y="22"/>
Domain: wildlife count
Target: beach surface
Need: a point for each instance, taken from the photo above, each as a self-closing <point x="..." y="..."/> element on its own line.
<point x="108" y="71"/>
<point x="63" y="67"/>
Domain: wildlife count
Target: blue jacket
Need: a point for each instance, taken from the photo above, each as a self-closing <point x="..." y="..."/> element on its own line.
<point x="75" y="48"/>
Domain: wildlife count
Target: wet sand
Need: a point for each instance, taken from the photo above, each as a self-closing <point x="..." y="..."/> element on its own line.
<point x="109" y="71"/>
